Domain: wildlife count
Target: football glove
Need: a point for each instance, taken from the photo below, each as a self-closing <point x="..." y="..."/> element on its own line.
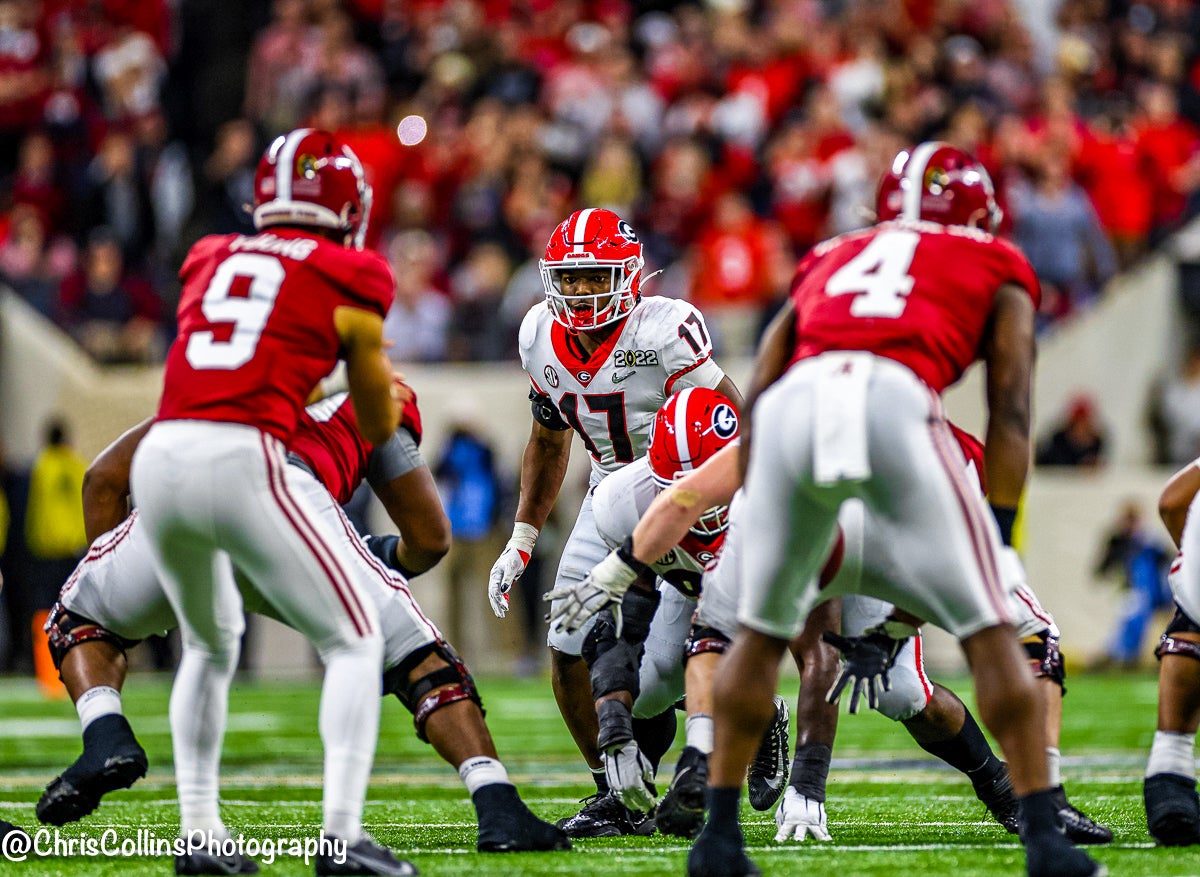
<point x="797" y="817"/>
<point x="631" y="777"/>
<point x="602" y="588"/>
<point x="866" y="661"/>
<point x="509" y="566"/>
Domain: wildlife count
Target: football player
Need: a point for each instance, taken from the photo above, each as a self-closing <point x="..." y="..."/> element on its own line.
<point x="114" y="599"/>
<point x="1172" y="806"/>
<point x="644" y="669"/>
<point x="601" y="360"/>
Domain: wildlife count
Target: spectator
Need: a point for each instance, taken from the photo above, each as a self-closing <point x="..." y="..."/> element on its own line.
<point x="1078" y="440"/>
<point x="1177" y="411"/>
<point x="418" y="322"/>
<point x="471" y="493"/>
<point x="32" y="263"/>
<point x="476" y="289"/>
<point x="113" y="315"/>
<point x="1143" y="562"/>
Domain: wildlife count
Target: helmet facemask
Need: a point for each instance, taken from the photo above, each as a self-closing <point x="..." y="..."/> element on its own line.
<point x="712" y="521"/>
<point x="605" y="307"/>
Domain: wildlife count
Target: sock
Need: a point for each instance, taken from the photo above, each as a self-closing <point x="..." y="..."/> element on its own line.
<point x="1172" y="752"/>
<point x="699" y="729"/>
<point x="655" y="735"/>
<point x="810" y="770"/>
<point x="103" y="700"/>
<point x="600" y="779"/>
<point x="1054" y="766"/>
<point x="967" y="751"/>
<point x="723" y="812"/>
<point x="1037" y="815"/>
<point x="198" y="711"/>
<point x="349" y="722"/>
<point x="480" y="771"/>
<point x="497" y="802"/>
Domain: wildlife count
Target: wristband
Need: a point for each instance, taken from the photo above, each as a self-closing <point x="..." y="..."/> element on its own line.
<point x="524" y="537"/>
<point x="1006" y="518"/>
<point x="625" y="552"/>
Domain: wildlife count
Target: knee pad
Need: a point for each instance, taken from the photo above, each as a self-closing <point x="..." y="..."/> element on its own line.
<point x="703" y="639"/>
<point x="1046" y="659"/>
<point x="65" y="630"/>
<point x="907" y="696"/>
<point x="1173" y="645"/>
<point x="453" y="683"/>
<point x="617" y="670"/>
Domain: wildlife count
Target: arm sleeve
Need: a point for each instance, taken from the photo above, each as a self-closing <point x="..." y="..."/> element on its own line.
<point x="395" y="457"/>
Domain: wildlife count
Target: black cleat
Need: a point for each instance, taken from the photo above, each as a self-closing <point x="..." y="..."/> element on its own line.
<point x="998" y="796"/>
<point x="603" y="815"/>
<point x="1051" y="855"/>
<point x="1172" y="810"/>
<point x="1080" y="828"/>
<point x="112" y="759"/>
<point x="206" y="863"/>
<point x="713" y="856"/>
<point x="364" y="856"/>
<point x="506" y="825"/>
<point x="681" y="810"/>
<point x="768" y="774"/>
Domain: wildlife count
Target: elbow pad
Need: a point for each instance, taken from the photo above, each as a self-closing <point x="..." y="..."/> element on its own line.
<point x="546" y="413"/>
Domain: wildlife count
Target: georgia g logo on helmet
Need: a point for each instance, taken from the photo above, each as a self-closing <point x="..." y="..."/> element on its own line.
<point x="724" y="422"/>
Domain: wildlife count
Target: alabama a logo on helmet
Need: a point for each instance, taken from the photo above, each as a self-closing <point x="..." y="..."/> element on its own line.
<point x="724" y="421"/>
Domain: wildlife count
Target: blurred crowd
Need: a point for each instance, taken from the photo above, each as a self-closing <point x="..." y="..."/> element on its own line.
<point x="733" y="134"/>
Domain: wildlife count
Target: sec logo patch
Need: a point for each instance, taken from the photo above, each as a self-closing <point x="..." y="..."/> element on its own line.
<point x="551" y="376"/>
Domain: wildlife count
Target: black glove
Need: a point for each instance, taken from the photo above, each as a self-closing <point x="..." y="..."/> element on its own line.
<point x="866" y="661"/>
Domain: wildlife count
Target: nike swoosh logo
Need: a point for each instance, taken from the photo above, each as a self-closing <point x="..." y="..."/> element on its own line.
<point x="616" y="379"/>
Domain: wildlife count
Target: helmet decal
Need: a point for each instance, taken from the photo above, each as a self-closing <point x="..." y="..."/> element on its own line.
<point x="724" y="421"/>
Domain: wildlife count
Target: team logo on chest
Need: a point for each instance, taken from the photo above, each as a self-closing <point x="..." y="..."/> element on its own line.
<point x="551" y="376"/>
<point x="584" y="377"/>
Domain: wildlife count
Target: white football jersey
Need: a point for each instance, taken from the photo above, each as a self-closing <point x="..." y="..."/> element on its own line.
<point x="610" y="397"/>
<point x="618" y="503"/>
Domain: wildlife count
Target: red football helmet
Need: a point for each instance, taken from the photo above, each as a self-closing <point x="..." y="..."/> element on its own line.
<point x="590" y="239"/>
<point x="939" y="183"/>
<point x="689" y="428"/>
<point x="310" y="177"/>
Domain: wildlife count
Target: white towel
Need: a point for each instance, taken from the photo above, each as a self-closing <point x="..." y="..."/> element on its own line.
<point x="840" y="418"/>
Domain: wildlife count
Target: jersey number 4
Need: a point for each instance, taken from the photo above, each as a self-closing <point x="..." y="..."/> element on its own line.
<point x="613" y="406"/>
<point x="248" y="313"/>
<point x="878" y="276"/>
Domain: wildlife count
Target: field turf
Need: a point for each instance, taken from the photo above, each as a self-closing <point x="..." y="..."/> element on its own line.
<point x="892" y="809"/>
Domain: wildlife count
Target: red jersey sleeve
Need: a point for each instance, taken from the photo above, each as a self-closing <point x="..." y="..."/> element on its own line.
<point x="972" y="449"/>
<point x="364" y="277"/>
<point x="1018" y="270"/>
<point x="410" y="418"/>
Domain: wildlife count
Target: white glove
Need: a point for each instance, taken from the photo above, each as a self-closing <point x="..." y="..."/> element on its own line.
<point x="630" y="777"/>
<point x="511" y="563"/>
<point x="604" y="587"/>
<point x="798" y="817"/>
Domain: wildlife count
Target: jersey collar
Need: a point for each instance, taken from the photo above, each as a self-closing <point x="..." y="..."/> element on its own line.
<point x="572" y="354"/>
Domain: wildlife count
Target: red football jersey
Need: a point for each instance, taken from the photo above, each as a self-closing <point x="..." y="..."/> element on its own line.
<point x="328" y="441"/>
<point x="916" y="292"/>
<point x="972" y="449"/>
<point x="256" y="325"/>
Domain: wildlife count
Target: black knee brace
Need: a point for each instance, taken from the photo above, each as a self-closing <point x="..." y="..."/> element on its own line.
<point x="616" y="660"/>
<point x="1173" y="645"/>
<point x="453" y="683"/>
<point x="703" y="639"/>
<point x="1046" y="659"/>
<point x="65" y="630"/>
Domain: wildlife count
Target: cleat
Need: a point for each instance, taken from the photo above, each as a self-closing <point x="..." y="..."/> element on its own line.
<point x="508" y="826"/>
<point x="1172" y="810"/>
<point x="108" y="767"/>
<point x="206" y="863"/>
<point x="1080" y="828"/>
<point x="681" y="810"/>
<point x="768" y="774"/>
<point x="364" y="856"/>
<point x="1051" y="855"/>
<point x="998" y="796"/>
<point x="713" y="856"/>
<point x="603" y="815"/>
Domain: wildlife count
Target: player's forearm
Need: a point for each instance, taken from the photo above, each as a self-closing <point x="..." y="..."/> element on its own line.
<point x="106" y="482"/>
<point x="103" y="508"/>
<point x="374" y="396"/>
<point x="1177" y="498"/>
<point x="543" y="468"/>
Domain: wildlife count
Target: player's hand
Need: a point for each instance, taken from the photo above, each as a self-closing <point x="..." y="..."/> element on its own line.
<point x="866" y="661"/>
<point x="401" y="391"/>
<point x="631" y="777"/>
<point x="603" y="588"/>
<point x="798" y="817"/>
<point x="510" y="565"/>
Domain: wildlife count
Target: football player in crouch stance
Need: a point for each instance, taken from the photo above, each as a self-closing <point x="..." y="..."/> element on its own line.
<point x="262" y="319"/>
<point x="1172" y="806"/>
<point x="601" y="360"/>
<point x="644" y="669"/>
<point x="114" y="599"/>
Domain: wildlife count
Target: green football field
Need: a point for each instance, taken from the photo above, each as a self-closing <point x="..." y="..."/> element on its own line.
<point x="892" y="809"/>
